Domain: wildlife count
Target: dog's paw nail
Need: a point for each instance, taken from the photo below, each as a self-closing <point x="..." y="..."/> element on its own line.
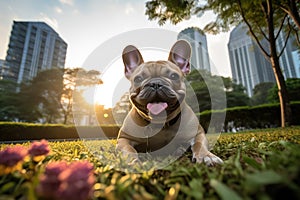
<point x="217" y="160"/>
<point x="212" y="160"/>
<point x="197" y="159"/>
<point x="208" y="161"/>
<point x="194" y="160"/>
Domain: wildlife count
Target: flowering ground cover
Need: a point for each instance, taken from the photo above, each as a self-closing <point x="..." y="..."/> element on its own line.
<point x="260" y="164"/>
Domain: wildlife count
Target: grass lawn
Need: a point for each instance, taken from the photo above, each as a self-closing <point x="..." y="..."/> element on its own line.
<point x="260" y="164"/>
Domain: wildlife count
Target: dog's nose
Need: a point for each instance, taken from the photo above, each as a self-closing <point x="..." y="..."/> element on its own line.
<point x="156" y="85"/>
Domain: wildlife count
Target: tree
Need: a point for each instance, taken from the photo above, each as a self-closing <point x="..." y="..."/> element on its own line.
<point x="260" y="93"/>
<point x="290" y="7"/>
<point x="236" y="96"/>
<point x="263" y="18"/>
<point x="235" y="93"/>
<point x="197" y="82"/>
<point x="75" y="80"/>
<point x="50" y="95"/>
<point x="41" y="97"/>
<point x="293" y="87"/>
<point x="8" y="101"/>
<point x="208" y="96"/>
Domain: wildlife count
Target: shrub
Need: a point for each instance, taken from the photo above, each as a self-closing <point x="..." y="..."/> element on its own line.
<point x="247" y="117"/>
<point x="11" y="131"/>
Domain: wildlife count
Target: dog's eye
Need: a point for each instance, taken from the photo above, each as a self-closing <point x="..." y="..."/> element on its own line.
<point x="138" y="79"/>
<point x="174" y="76"/>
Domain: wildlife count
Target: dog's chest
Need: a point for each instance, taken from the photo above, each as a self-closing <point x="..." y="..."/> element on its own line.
<point x="156" y="138"/>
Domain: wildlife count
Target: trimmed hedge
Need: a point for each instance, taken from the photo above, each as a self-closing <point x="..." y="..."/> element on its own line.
<point x="11" y="131"/>
<point x="262" y="116"/>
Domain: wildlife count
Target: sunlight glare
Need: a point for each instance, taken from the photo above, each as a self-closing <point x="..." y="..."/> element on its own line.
<point x="114" y="83"/>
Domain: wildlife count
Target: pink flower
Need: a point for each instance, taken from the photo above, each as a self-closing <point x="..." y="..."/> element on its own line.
<point x="12" y="155"/>
<point x="55" y="168"/>
<point x="77" y="181"/>
<point x="61" y="181"/>
<point x="49" y="181"/>
<point x="39" y="148"/>
<point x="79" y="170"/>
<point x="11" y="159"/>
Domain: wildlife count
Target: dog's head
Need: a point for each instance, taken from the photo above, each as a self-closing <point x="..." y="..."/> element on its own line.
<point x="157" y="87"/>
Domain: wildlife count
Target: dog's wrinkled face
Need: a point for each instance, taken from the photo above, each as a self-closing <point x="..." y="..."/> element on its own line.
<point x="157" y="87"/>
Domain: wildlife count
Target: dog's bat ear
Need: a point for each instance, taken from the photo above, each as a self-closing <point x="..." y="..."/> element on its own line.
<point x="180" y="55"/>
<point x="132" y="58"/>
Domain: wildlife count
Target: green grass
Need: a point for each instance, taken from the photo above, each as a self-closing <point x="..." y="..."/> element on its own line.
<point x="260" y="164"/>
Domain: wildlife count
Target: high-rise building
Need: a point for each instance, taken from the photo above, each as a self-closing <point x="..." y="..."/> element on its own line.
<point x="4" y="71"/>
<point x="1" y="64"/>
<point x="296" y="59"/>
<point x="1" y="67"/>
<point x="249" y="66"/>
<point x="197" y="39"/>
<point x="33" y="47"/>
<point x="288" y="62"/>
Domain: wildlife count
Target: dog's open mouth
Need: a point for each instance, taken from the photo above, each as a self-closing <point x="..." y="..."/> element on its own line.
<point x="157" y="108"/>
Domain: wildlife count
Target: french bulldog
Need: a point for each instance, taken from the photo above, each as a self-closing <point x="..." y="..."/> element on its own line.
<point x="160" y="120"/>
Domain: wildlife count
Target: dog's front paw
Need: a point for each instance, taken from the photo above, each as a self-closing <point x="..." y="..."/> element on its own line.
<point x="209" y="159"/>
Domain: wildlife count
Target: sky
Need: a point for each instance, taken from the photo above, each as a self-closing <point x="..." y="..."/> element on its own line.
<point x="87" y="24"/>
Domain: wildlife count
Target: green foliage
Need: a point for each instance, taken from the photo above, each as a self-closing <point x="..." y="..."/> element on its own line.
<point x="229" y="13"/>
<point x="205" y="87"/>
<point x="40" y="97"/>
<point x="164" y="10"/>
<point x="223" y="191"/>
<point x="261" y="164"/>
<point x="209" y="89"/>
<point x="236" y="96"/>
<point x="260" y="92"/>
<point x="250" y="117"/>
<point x="12" y="131"/>
<point x="293" y="88"/>
<point x="8" y="101"/>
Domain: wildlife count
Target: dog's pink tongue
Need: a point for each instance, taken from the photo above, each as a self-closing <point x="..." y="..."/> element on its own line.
<point x="156" y="108"/>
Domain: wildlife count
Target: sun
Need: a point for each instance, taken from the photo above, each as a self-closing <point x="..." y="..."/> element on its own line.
<point x="113" y="87"/>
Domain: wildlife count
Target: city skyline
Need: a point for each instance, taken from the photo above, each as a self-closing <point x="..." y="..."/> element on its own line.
<point x="86" y="25"/>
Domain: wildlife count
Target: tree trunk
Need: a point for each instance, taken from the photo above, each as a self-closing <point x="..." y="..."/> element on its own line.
<point x="66" y="114"/>
<point x="293" y="12"/>
<point x="285" y="107"/>
<point x="65" y="119"/>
